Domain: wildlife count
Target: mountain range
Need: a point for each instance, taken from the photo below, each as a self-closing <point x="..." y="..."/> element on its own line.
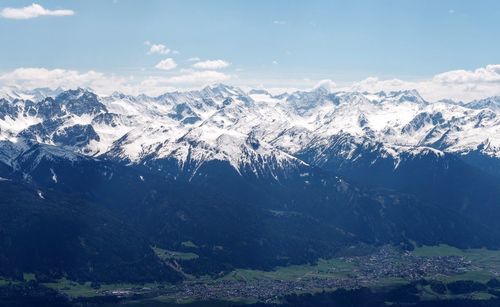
<point x="244" y="179"/>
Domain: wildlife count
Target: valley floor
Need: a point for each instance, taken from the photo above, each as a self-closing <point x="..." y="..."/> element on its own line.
<point x="359" y="267"/>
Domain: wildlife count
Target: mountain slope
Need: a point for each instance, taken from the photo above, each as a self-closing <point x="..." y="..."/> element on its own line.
<point x="54" y="236"/>
<point x="249" y="179"/>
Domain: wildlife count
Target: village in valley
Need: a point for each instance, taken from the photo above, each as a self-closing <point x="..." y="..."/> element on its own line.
<point x="385" y="266"/>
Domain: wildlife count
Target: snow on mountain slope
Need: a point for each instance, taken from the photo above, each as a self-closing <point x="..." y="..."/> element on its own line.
<point x="491" y="103"/>
<point x="13" y="93"/>
<point x="248" y="130"/>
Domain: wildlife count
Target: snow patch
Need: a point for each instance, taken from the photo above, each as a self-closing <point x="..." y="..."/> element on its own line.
<point x="54" y="176"/>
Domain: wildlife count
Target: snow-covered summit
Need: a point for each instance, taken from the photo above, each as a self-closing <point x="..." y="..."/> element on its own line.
<point x="250" y="130"/>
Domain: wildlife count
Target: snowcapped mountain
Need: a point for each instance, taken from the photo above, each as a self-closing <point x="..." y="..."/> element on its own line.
<point x="491" y="103"/>
<point x="13" y="93"/>
<point x="254" y="132"/>
<point x="289" y="178"/>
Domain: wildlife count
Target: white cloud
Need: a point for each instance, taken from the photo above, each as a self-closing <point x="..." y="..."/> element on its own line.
<point x="279" y="22"/>
<point x="188" y="80"/>
<point x="30" y="77"/>
<point x="158" y="49"/>
<point x="282" y="90"/>
<point x="194" y="59"/>
<point x="374" y="84"/>
<point x="211" y="64"/>
<point x="462" y="85"/>
<point x="41" y="77"/>
<point x="456" y="84"/>
<point x="32" y="11"/>
<point x="488" y="74"/>
<point x="326" y="84"/>
<point x="198" y="77"/>
<point x="166" y="64"/>
<point x="105" y="84"/>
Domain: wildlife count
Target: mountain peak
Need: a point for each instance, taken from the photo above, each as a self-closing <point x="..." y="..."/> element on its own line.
<point x="220" y="89"/>
<point x="259" y="92"/>
<point x="75" y="93"/>
<point x="411" y="95"/>
<point x="489" y="102"/>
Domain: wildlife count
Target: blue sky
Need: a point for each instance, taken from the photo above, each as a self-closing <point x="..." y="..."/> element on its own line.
<point x="268" y="43"/>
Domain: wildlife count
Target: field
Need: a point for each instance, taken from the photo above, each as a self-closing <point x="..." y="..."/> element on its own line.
<point x="164" y="254"/>
<point x="331" y="268"/>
